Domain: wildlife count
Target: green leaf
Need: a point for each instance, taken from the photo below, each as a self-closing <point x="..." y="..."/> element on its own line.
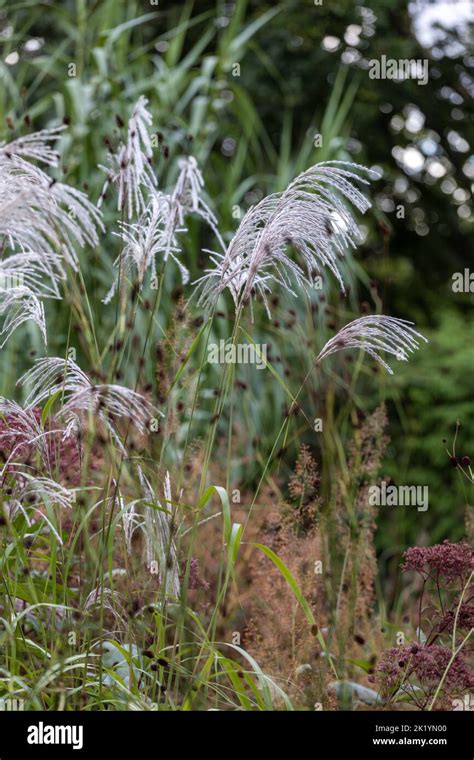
<point x="226" y="511"/>
<point x="244" y="36"/>
<point x="48" y="405"/>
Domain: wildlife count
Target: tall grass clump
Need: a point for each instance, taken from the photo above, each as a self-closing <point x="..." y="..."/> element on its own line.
<point x="179" y="533"/>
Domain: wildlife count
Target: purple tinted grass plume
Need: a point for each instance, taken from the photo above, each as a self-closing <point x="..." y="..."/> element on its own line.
<point x="25" y="438"/>
<point x="80" y="397"/>
<point x="21" y="434"/>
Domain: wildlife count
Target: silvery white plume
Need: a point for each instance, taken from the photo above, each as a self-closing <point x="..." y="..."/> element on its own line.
<point x="142" y="243"/>
<point x="41" y="222"/>
<point x="156" y="232"/>
<point x="45" y="490"/>
<point x="24" y="279"/>
<point x="40" y="215"/>
<point x="374" y="334"/>
<point x="186" y="198"/>
<point x="34" y="271"/>
<point x="107" y="599"/>
<point x="131" y="520"/>
<point x="30" y="492"/>
<point x="35" y="146"/>
<point x="160" y="545"/>
<point x="130" y="168"/>
<point x="311" y="216"/>
<point x="81" y="397"/>
<point x="19" y="305"/>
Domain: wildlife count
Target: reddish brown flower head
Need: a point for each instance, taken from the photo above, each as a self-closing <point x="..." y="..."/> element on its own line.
<point x="426" y="665"/>
<point x="448" y="561"/>
<point x="464" y="621"/>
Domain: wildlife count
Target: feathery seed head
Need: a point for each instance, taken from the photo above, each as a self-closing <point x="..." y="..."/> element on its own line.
<point x="129" y="168"/>
<point x="311" y="215"/>
<point x="374" y="334"/>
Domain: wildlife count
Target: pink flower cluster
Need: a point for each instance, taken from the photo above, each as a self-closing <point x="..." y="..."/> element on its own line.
<point x="195" y="581"/>
<point x="451" y="562"/>
<point x="427" y="664"/>
<point x="465" y="617"/>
